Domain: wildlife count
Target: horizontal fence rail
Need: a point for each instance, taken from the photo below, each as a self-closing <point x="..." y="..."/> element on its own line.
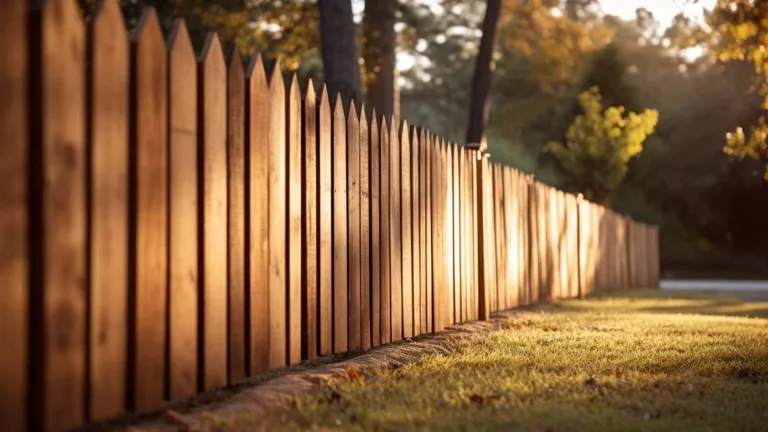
<point x="173" y="224"/>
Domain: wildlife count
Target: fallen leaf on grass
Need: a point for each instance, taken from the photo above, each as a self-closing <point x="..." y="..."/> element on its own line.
<point x="352" y="374"/>
<point x="476" y="398"/>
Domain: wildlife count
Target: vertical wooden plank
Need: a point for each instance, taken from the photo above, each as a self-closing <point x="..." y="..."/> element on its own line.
<point x="149" y="213"/>
<point x="386" y="257"/>
<point x="426" y="148"/>
<point x="498" y="224"/>
<point x="310" y="224"/>
<point x="325" y="216"/>
<point x="257" y="134"/>
<point x="422" y="221"/>
<point x="466" y="235"/>
<point x="278" y="214"/>
<point x="473" y="165"/>
<point x="365" y="233"/>
<point x="108" y="219"/>
<point x="295" y="244"/>
<point x="447" y="212"/>
<point x="395" y="233"/>
<point x="236" y="218"/>
<point x="353" y="228"/>
<point x="58" y="220"/>
<point x="405" y="226"/>
<point x="14" y="219"/>
<point x="340" y="239"/>
<point x="213" y="145"/>
<point x="376" y="256"/>
<point x="415" y="233"/>
<point x="437" y="233"/>
<point x="183" y="241"/>
<point x="510" y="239"/>
<point x="456" y="233"/>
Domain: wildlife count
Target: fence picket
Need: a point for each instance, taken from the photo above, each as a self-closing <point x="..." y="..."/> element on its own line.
<point x="386" y="241"/>
<point x="353" y="228"/>
<point x="406" y="225"/>
<point x="14" y="216"/>
<point x="376" y="252"/>
<point x="365" y="232"/>
<point x="108" y="219"/>
<point x="213" y="146"/>
<point x="325" y="216"/>
<point x="310" y="256"/>
<point x="149" y="213"/>
<point x="395" y="234"/>
<point x="278" y="214"/>
<point x="183" y="211"/>
<point x="415" y="232"/>
<point x="340" y="239"/>
<point x="295" y="243"/>
<point x="257" y="149"/>
<point x="236" y="201"/>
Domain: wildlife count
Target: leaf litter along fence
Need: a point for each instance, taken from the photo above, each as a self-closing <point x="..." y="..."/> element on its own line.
<point x="174" y="224"/>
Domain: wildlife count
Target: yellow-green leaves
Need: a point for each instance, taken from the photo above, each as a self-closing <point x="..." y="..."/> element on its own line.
<point x="600" y="143"/>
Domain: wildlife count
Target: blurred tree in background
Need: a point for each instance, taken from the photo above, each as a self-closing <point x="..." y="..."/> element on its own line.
<point x="599" y="145"/>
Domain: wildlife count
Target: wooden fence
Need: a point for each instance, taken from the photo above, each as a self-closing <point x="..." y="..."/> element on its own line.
<point x="173" y="224"/>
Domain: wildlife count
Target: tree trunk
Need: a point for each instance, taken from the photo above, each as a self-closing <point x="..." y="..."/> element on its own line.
<point x="339" y="49"/>
<point x="379" y="55"/>
<point x="481" y="82"/>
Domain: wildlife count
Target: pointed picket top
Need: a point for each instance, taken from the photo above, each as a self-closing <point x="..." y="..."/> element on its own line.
<point x="255" y="73"/>
<point x="363" y="117"/>
<point x="374" y="121"/>
<point x="384" y="127"/>
<point x="235" y="63"/>
<point x="292" y="89"/>
<point x="310" y="94"/>
<point x="276" y="82"/>
<point x="178" y="39"/>
<point x="148" y="27"/>
<point x="108" y="18"/>
<point x="404" y="131"/>
<point x="212" y="51"/>
<point x="338" y="107"/>
<point x="324" y="101"/>
<point x="352" y="114"/>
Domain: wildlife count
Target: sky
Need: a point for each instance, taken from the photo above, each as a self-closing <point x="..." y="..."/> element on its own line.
<point x="663" y="10"/>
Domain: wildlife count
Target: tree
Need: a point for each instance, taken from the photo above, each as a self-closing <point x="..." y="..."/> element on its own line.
<point x="481" y="82"/>
<point x="600" y="144"/>
<point x="379" y="45"/>
<point x="338" y="45"/>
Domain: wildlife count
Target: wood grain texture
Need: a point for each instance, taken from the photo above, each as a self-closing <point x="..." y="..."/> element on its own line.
<point x="278" y="214"/>
<point x="406" y="224"/>
<point x="421" y="162"/>
<point x="386" y="241"/>
<point x="475" y="235"/>
<point x="108" y="219"/>
<point x="353" y="229"/>
<point x="325" y="232"/>
<point x="395" y="233"/>
<point x="257" y="136"/>
<point x="427" y="150"/>
<point x="149" y="212"/>
<point x="183" y="211"/>
<point x="212" y="112"/>
<point x="415" y="233"/>
<point x="376" y="257"/>
<point x="310" y="225"/>
<point x="365" y="233"/>
<point x="446" y="263"/>
<point x="450" y="263"/>
<point x="236" y="204"/>
<point x="14" y="216"/>
<point x="463" y="232"/>
<point x="455" y="178"/>
<point x="340" y="238"/>
<point x="295" y="241"/>
<point x="59" y="261"/>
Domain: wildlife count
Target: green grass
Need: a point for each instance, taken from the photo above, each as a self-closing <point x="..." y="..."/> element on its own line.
<point x="634" y="362"/>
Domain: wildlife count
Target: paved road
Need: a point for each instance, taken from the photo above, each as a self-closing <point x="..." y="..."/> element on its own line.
<point x="751" y="291"/>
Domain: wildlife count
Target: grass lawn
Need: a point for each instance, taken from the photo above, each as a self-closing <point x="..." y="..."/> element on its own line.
<point x="640" y="361"/>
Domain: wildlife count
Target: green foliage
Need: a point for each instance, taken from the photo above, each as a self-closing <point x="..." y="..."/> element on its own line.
<point x="600" y="144"/>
